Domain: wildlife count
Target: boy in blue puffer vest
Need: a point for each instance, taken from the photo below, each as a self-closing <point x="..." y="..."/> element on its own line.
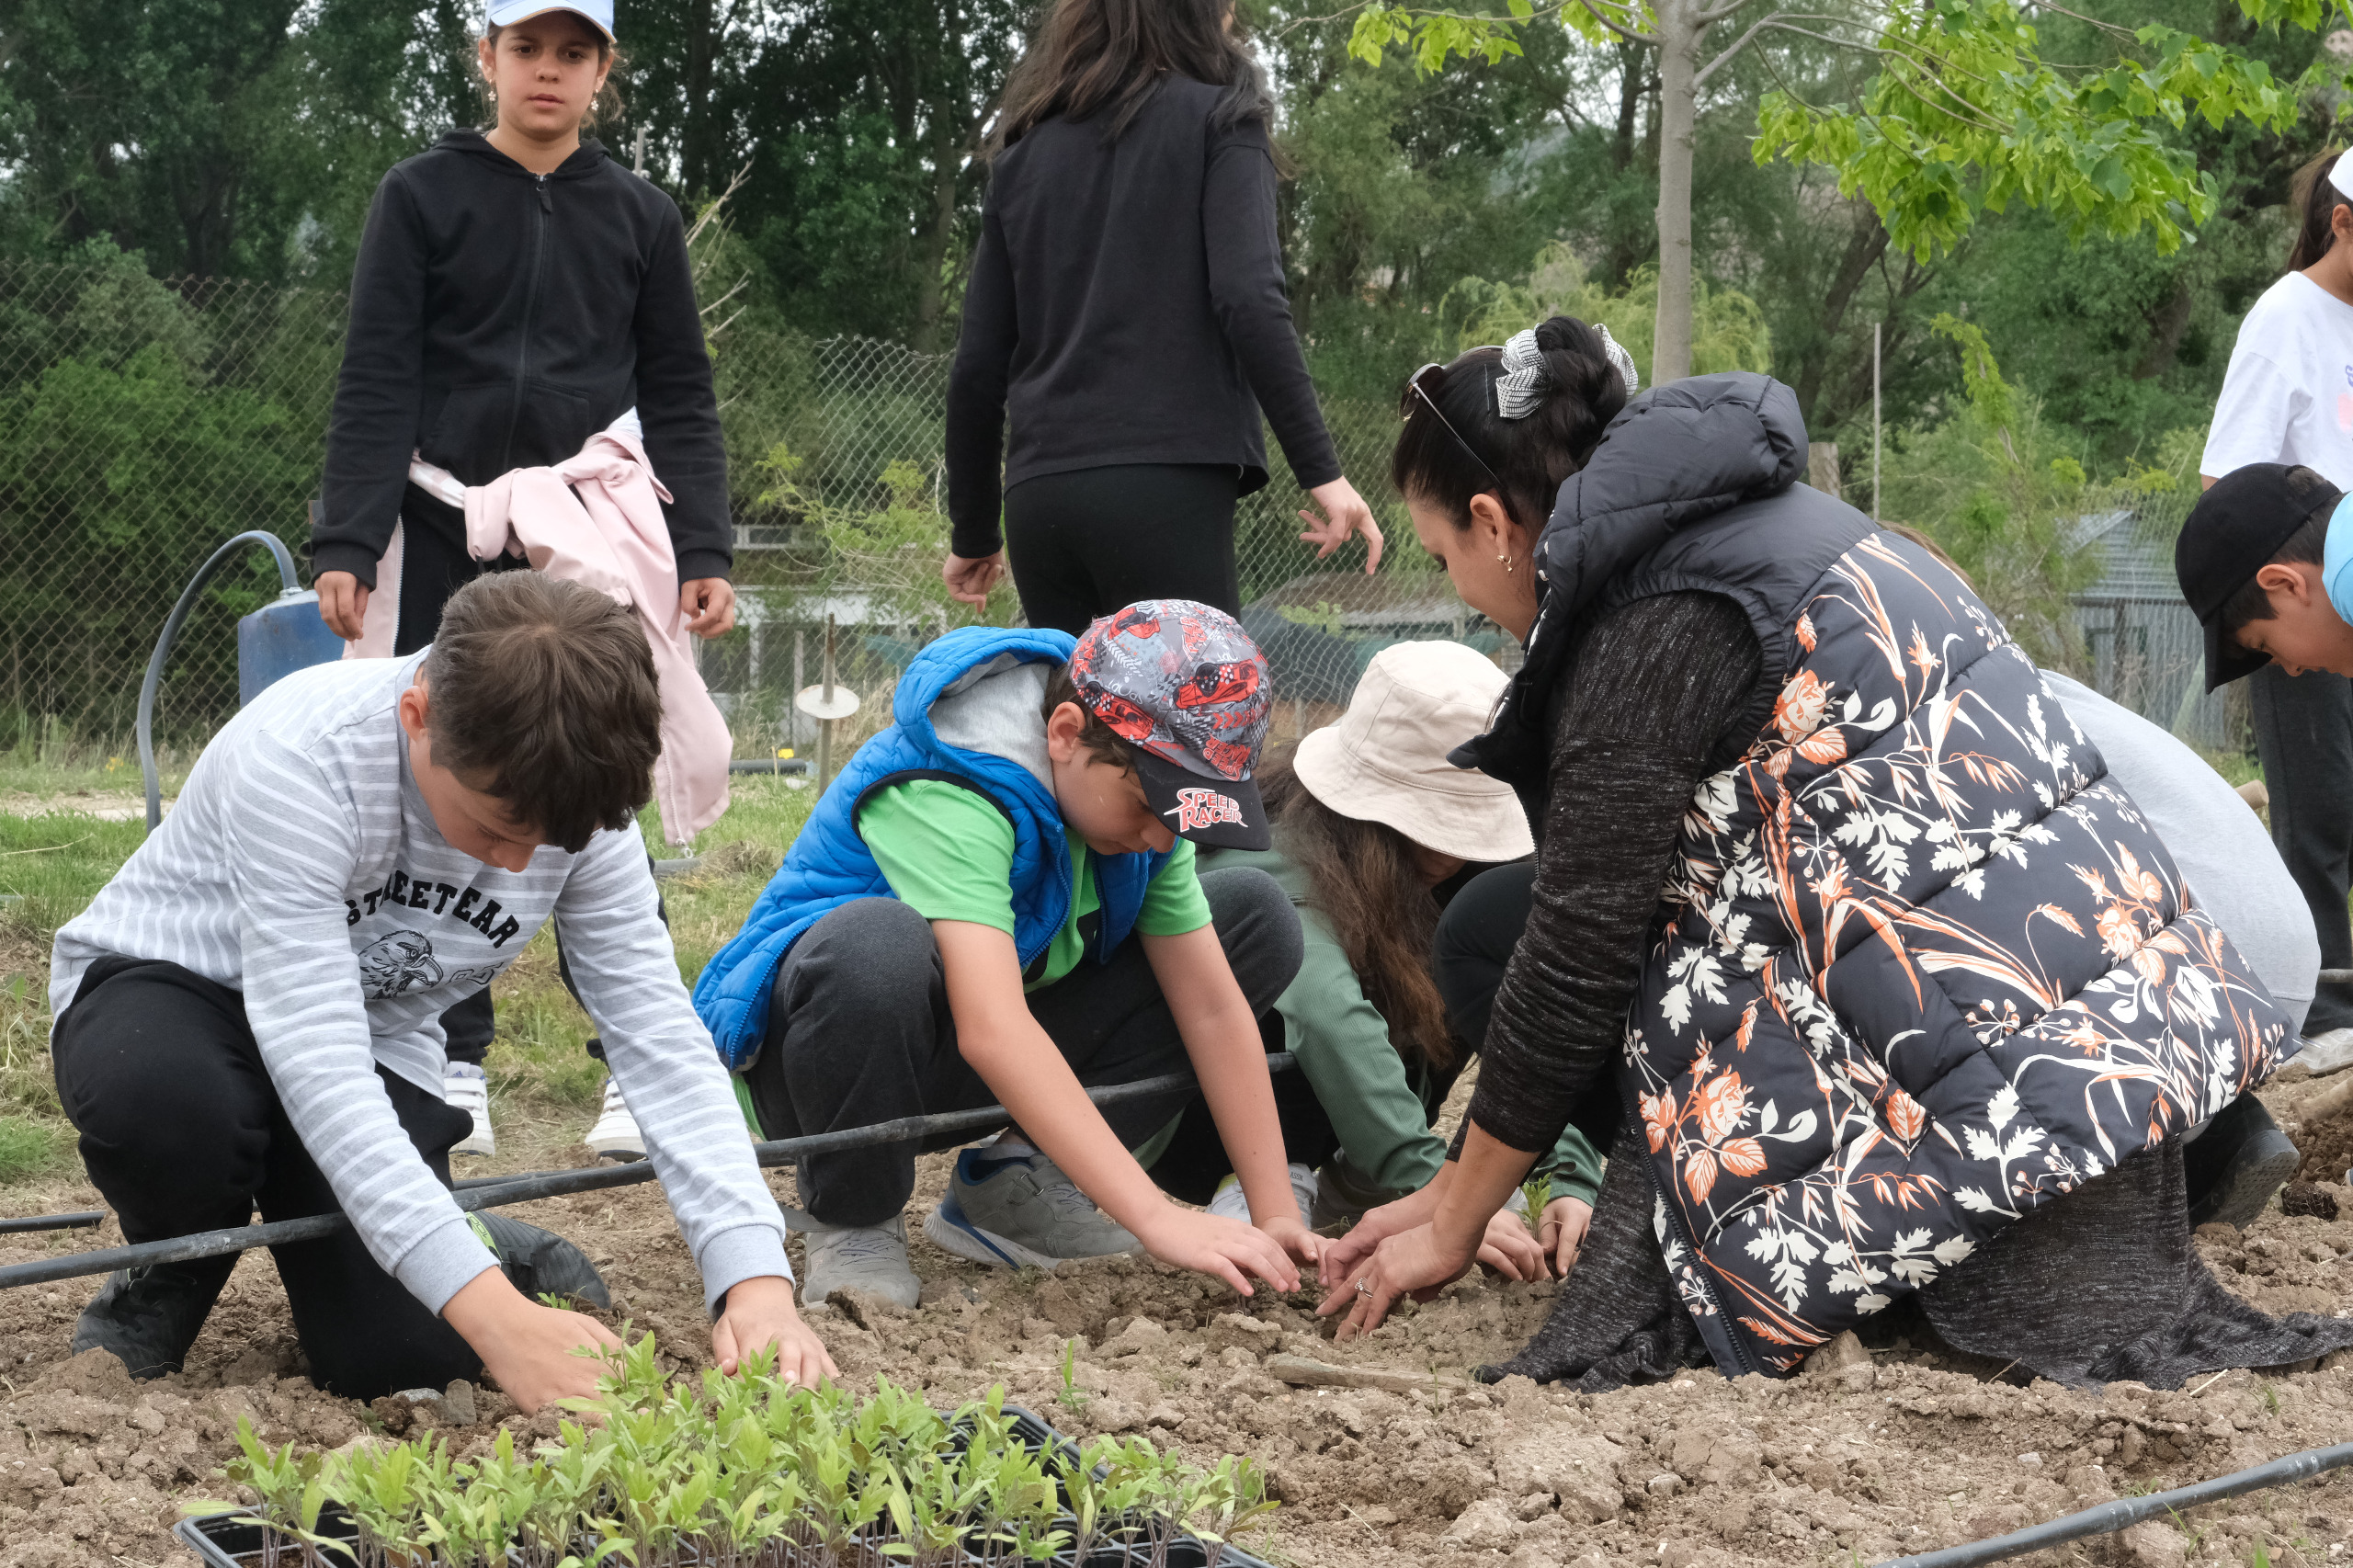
<point x="951" y="930"/>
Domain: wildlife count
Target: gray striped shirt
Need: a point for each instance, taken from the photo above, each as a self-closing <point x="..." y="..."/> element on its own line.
<point x="301" y="868"/>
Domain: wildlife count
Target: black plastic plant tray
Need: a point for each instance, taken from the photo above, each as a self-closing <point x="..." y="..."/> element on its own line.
<point x="1184" y="1552"/>
<point x="223" y="1541"/>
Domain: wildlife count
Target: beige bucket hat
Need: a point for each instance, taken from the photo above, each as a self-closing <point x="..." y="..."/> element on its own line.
<point x="1385" y="760"/>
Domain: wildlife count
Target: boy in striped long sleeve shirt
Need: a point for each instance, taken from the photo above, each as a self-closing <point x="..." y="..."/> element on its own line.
<point x="248" y="1013"/>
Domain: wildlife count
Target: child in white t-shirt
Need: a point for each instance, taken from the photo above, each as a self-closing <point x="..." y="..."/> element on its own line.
<point x="2288" y="399"/>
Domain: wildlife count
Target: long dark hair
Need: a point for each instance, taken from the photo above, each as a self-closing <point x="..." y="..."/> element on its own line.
<point x="1531" y="456"/>
<point x="1089" y="56"/>
<point x="2311" y="194"/>
<point x="1363" y="878"/>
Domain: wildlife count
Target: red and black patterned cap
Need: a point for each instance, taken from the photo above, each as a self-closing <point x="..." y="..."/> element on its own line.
<point x="1184" y="684"/>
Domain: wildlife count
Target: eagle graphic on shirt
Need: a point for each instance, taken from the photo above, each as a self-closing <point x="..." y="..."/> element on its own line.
<point x="396" y="964"/>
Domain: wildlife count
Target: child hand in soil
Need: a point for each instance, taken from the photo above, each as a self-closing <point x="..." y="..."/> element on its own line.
<point x="1293" y="1236"/>
<point x="1561" y="1232"/>
<point x="528" y="1351"/>
<point x="760" y="1312"/>
<point x="1211" y="1243"/>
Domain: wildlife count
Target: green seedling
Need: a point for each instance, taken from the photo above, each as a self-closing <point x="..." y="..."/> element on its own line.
<point x="1232" y="1497"/>
<point x="744" y="1472"/>
<point x="1538" y="1190"/>
<point x="292" y="1492"/>
<point x="1072" y="1396"/>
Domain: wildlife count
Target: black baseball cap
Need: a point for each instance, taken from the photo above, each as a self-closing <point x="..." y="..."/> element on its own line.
<point x="2233" y="533"/>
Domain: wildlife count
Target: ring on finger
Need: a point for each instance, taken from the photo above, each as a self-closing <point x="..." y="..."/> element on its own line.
<point x="1364" y="1286"/>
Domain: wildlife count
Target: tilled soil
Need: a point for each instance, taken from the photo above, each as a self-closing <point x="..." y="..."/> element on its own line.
<point x="1906" y="1447"/>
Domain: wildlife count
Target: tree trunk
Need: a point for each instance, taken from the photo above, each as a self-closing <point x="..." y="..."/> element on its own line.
<point x="1678" y="35"/>
<point x="2166" y="328"/>
<point x="1863" y="251"/>
<point x="931" y="254"/>
<point x="699" y="164"/>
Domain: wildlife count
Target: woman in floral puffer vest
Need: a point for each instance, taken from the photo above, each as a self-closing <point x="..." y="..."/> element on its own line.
<point x="1905" y="994"/>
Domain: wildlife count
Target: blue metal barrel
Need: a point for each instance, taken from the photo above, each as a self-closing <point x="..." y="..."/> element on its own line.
<point x="280" y="638"/>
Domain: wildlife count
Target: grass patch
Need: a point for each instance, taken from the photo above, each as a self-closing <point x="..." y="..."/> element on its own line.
<point x="537" y="1060"/>
<point x="28" y="1148"/>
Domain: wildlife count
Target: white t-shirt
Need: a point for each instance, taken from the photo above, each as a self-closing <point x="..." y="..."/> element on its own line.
<point x="2288" y="397"/>
<point x="2225" y="855"/>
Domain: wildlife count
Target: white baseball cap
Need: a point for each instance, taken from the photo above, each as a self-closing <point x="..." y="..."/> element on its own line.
<point x="598" y="14"/>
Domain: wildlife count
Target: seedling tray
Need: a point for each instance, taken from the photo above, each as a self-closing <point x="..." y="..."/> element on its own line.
<point x="225" y="1542"/>
<point x="222" y="1540"/>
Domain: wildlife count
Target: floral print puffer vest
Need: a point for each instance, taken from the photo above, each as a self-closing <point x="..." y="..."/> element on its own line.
<point x="1920" y="965"/>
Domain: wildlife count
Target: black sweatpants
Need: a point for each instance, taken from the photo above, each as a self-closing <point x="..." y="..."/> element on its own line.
<point x="859" y="1032"/>
<point x="182" y="1131"/>
<point x="1084" y="543"/>
<point x="2303" y="733"/>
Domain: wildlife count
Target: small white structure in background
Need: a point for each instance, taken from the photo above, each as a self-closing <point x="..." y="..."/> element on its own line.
<point x="2147" y="652"/>
<point x="784" y="635"/>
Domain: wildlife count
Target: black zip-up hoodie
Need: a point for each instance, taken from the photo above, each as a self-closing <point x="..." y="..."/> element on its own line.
<point x="498" y="320"/>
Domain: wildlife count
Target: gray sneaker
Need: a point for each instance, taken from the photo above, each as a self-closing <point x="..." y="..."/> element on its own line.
<point x="870" y="1259"/>
<point x="1009" y="1212"/>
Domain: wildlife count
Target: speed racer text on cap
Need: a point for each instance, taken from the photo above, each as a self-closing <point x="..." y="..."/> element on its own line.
<point x="1185" y="686"/>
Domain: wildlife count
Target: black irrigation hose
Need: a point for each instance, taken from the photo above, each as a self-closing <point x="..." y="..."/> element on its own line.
<point x="81" y="1219"/>
<point x="499" y="1191"/>
<point x="2110" y="1517"/>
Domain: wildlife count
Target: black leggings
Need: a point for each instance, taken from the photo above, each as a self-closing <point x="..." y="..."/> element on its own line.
<point x="1095" y="540"/>
<point x="182" y="1131"/>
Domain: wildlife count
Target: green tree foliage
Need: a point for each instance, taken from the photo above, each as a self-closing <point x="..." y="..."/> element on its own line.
<point x="1729" y="331"/>
<point x="1963" y="113"/>
<point x="2006" y="495"/>
<point x="133" y="442"/>
<point x="217" y="138"/>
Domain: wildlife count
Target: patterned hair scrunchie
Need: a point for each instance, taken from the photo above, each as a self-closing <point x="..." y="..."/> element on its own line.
<point x="1527" y="379"/>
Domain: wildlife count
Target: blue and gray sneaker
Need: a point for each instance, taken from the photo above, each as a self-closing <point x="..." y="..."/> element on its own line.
<point x="1008" y="1211"/>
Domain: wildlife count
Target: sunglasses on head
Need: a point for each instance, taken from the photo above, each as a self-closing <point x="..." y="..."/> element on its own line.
<point x="1422" y="387"/>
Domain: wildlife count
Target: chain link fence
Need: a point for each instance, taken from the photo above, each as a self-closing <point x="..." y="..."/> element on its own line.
<point x="148" y="420"/>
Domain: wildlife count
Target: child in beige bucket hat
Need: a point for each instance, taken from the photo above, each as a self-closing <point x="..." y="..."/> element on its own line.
<point x="1374" y="833"/>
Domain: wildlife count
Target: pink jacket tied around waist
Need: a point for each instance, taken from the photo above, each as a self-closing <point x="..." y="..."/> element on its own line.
<point x="595" y="518"/>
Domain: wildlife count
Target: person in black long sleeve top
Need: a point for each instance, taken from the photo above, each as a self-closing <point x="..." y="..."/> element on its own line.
<point x="1127" y="312"/>
<point x="516" y="292"/>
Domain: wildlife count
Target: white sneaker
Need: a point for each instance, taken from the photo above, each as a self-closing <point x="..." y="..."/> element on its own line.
<point x="2326" y="1051"/>
<point x="464" y="1087"/>
<point x="616" y="1136"/>
<point x="1228" y="1202"/>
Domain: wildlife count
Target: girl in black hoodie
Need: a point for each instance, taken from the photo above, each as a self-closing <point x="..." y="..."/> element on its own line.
<point x="516" y="292"/>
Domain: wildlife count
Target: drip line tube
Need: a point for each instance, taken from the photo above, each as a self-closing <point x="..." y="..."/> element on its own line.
<point x="496" y="1191"/>
<point x="2125" y="1512"/>
<point x="81" y="1219"/>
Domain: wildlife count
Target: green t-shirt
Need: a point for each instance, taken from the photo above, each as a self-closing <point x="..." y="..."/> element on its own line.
<point x="947" y="853"/>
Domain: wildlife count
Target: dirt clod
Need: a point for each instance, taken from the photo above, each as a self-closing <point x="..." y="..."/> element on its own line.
<point x="2306" y="1198"/>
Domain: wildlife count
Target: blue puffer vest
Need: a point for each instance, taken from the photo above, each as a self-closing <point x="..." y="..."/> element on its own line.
<point x="829" y="865"/>
<point x="1919" y="966"/>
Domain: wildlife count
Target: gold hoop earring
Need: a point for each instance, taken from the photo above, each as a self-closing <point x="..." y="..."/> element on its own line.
<point x="1508" y="567"/>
